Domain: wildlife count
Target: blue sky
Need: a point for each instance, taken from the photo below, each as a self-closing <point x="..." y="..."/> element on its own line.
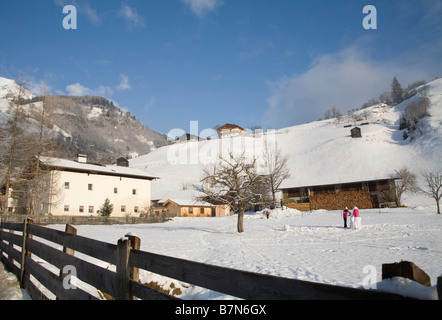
<point x="272" y="63"/>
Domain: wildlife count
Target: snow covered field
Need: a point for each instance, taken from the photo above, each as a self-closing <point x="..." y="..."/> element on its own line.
<point x="310" y="246"/>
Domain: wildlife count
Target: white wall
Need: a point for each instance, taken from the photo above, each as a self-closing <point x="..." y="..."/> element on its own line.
<point x="102" y="187"/>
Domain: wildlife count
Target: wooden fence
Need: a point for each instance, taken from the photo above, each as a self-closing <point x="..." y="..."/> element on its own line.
<point x="23" y="241"/>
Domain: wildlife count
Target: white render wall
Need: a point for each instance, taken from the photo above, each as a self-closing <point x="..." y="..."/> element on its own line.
<point x="102" y="187"/>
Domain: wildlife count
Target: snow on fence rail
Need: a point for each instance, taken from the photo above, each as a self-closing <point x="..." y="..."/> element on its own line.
<point x="17" y="251"/>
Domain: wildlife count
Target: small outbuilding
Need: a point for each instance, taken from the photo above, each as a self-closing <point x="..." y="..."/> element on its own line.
<point x="356" y="132"/>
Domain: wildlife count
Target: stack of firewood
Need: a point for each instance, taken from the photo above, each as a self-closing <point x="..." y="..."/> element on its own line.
<point x="340" y="200"/>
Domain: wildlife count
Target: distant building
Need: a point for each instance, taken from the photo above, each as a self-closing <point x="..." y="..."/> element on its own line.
<point x="230" y="130"/>
<point x="80" y="188"/>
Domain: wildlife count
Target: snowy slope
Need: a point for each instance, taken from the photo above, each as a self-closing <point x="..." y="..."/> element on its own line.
<point x="320" y="152"/>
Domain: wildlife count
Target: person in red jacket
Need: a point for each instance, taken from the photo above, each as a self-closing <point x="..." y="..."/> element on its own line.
<point x="345" y="214"/>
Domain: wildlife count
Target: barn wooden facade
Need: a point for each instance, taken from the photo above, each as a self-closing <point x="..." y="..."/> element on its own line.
<point x="363" y="194"/>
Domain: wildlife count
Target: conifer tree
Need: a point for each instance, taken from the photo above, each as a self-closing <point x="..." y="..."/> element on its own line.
<point x="396" y="91"/>
<point x="107" y="208"/>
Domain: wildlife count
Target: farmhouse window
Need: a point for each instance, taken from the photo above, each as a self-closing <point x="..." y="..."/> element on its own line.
<point x="66" y="208"/>
<point x="123" y="208"/>
<point x="66" y="185"/>
<point x="136" y="209"/>
<point x="81" y="209"/>
<point x="202" y="210"/>
<point x="91" y="209"/>
<point x="134" y="191"/>
<point x="190" y="210"/>
<point x="90" y="187"/>
<point x="115" y="190"/>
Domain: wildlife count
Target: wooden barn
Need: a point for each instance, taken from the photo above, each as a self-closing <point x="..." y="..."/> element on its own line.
<point x="363" y="194"/>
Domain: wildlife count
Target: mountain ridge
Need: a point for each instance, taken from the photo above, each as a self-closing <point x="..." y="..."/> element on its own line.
<point x="90" y="125"/>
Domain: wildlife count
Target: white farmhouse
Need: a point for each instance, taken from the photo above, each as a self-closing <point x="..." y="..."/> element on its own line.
<point x="80" y="188"/>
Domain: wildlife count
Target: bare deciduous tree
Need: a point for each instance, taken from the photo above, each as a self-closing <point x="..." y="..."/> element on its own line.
<point x="434" y="186"/>
<point x="12" y="133"/>
<point x="43" y="144"/>
<point x="275" y="167"/>
<point x="26" y="135"/>
<point x="232" y="181"/>
<point x="406" y="183"/>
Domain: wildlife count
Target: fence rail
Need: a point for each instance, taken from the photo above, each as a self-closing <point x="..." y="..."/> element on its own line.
<point x="58" y="249"/>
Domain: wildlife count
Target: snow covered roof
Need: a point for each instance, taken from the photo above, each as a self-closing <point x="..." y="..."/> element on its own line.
<point x="184" y="198"/>
<point x="293" y="183"/>
<point x="112" y="170"/>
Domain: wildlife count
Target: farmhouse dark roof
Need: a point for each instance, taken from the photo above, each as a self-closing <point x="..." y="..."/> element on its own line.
<point x="74" y="166"/>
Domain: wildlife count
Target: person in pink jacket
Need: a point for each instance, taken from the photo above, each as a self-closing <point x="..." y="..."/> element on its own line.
<point x="356" y="218"/>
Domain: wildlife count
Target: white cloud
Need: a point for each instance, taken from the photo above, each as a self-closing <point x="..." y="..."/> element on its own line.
<point x="91" y="14"/>
<point x="39" y="87"/>
<point x="79" y="90"/>
<point x="124" y="84"/>
<point x="345" y="79"/>
<point x="202" y="7"/>
<point x="131" y="16"/>
<point x="151" y="103"/>
<point x="83" y="8"/>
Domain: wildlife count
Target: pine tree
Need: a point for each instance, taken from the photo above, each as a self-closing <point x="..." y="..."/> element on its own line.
<point x="396" y="91"/>
<point x="107" y="208"/>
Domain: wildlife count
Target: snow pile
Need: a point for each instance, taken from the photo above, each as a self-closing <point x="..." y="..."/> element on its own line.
<point x="9" y="286"/>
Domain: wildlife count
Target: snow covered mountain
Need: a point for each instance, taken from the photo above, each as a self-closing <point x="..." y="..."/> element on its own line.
<point x="320" y="152"/>
<point x="90" y="125"/>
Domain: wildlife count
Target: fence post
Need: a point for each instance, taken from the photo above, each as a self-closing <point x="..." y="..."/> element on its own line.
<point x="24" y="253"/>
<point x="134" y="273"/>
<point x="439" y="287"/>
<point x="71" y="230"/>
<point x="123" y="272"/>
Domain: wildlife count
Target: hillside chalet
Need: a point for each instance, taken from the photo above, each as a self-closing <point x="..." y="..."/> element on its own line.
<point x="230" y="130"/>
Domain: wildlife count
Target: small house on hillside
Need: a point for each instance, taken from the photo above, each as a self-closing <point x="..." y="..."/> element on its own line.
<point x="230" y="130"/>
<point x="356" y="132"/>
<point x="363" y="194"/>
